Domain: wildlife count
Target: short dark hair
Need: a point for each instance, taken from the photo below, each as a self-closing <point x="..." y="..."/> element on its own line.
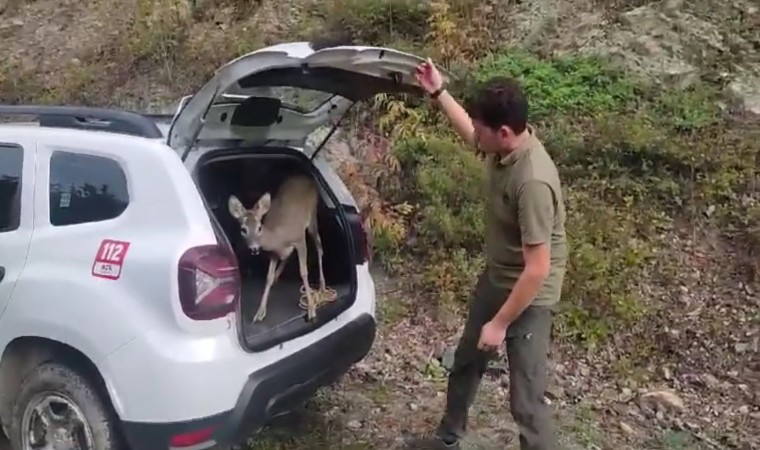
<point x="498" y="102"/>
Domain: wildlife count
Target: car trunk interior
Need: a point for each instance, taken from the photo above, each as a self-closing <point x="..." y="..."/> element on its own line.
<point x="248" y="176"/>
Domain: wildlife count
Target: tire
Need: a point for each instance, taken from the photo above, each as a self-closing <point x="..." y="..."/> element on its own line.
<point x="58" y="386"/>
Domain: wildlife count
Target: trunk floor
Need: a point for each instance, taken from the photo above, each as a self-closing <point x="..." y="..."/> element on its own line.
<point x="282" y="306"/>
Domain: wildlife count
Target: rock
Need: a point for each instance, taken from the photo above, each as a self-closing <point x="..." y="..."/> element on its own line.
<point x="709" y="380"/>
<point x="354" y="424"/>
<point x="447" y="358"/>
<point x="627" y="429"/>
<point x="555" y="392"/>
<point x="741" y="347"/>
<point x="413" y="406"/>
<point x="744" y="409"/>
<point x="663" y="400"/>
<point x="672" y="6"/>
<point x="748" y="94"/>
<point x="635" y="413"/>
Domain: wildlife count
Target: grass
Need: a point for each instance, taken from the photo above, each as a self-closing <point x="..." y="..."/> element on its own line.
<point x="571" y="85"/>
<point x="634" y="156"/>
<point x="305" y="429"/>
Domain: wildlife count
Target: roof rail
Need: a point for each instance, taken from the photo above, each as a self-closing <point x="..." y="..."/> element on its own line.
<point x="87" y="118"/>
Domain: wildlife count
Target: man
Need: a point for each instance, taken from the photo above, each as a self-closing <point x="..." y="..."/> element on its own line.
<point x="526" y="256"/>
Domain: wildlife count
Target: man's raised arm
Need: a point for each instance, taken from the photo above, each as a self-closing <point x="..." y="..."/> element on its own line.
<point x="431" y="81"/>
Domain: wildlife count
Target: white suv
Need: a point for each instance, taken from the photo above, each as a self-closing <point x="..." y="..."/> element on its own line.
<point x="126" y="290"/>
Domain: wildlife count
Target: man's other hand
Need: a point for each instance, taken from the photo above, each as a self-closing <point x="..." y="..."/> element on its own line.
<point x="492" y="335"/>
<point x="428" y="76"/>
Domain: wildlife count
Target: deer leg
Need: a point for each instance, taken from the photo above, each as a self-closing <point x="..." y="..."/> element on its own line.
<point x="280" y="268"/>
<point x="262" y="311"/>
<point x="314" y="232"/>
<point x="302" y="254"/>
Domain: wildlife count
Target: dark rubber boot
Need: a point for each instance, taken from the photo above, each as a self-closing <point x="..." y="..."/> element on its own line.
<point x="430" y="441"/>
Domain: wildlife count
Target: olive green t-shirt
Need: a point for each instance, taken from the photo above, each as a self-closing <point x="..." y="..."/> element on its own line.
<point x="525" y="206"/>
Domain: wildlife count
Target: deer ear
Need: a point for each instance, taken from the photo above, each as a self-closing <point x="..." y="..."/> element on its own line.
<point x="237" y="210"/>
<point x="263" y="205"/>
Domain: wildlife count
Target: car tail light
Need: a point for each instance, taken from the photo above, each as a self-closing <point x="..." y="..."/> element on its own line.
<point x="192" y="439"/>
<point x="209" y="282"/>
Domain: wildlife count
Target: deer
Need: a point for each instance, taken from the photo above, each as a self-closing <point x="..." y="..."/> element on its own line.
<point x="279" y="225"/>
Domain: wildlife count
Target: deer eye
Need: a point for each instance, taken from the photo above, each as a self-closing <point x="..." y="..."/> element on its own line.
<point x="244" y="230"/>
<point x="258" y="228"/>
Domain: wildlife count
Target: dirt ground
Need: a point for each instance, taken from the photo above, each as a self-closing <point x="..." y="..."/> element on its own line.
<point x="401" y="385"/>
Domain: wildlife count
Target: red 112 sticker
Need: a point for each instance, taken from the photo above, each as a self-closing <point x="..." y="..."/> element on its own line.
<point x="110" y="258"/>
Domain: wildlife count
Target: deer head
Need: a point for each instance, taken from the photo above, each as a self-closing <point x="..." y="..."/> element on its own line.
<point x="251" y="219"/>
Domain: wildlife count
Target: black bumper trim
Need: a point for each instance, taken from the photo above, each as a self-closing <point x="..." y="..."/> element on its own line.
<point x="286" y="384"/>
<point x="272" y="391"/>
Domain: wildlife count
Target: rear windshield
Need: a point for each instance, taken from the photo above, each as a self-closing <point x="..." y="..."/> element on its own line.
<point x="295" y="98"/>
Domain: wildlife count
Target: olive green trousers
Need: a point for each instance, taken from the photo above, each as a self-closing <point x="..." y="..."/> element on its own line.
<point x="528" y="341"/>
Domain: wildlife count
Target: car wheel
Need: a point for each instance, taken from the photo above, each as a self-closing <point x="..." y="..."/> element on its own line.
<point x="57" y="408"/>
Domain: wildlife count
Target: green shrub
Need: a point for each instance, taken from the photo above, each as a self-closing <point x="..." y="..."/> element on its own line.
<point x="377" y="21"/>
<point x="157" y="29"/>
<point x="634" y="156"/>
<point x="687" y="110"/>
<point x="608" y="255"/>
<point x="445" y="181"/>
<point x="578" y="85"/>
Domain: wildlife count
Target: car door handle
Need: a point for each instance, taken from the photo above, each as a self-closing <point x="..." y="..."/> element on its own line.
<point x="2" y="273"/>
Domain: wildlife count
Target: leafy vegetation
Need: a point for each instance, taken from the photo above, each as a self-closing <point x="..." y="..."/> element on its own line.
<point x="634" y="156"/>
<point x="376" y="21"/>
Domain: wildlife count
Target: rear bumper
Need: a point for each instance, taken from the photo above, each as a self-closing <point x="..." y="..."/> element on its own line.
<point x="269" y="392"/>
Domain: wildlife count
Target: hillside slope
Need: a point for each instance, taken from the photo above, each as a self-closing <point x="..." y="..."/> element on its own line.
<point x="652" y="110"/>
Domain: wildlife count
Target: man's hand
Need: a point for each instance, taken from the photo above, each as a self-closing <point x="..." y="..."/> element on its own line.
<point x="492" y="335"/>
<point x="429" y="77"/>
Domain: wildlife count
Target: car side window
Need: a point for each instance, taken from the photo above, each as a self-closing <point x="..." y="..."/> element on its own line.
<point x="11" y="165"/>
<point x="85" y="188"/>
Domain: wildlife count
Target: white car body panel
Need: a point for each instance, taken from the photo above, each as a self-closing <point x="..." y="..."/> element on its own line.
<point x="158" y="365"/>
<point x="133" y="329"/>
<point x="373" y="62"/>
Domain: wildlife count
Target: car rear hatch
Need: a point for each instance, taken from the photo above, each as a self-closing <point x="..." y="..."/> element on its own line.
<point x="277" y="97"/>
<point x="281" y="94"/>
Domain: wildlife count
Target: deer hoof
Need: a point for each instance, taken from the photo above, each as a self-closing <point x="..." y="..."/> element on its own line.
<point x="260" y="314"/>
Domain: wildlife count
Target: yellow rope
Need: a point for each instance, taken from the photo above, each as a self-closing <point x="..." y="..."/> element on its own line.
<point x="320" y="297"/>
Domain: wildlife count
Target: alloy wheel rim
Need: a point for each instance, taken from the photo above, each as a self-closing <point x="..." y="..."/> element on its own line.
<point x="52" y="421"/>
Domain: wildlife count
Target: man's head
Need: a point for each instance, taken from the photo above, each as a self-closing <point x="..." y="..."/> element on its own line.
<point x="499" y="112"/>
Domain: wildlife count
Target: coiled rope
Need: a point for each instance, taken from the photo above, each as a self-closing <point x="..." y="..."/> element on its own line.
<point x="320" y="297"/>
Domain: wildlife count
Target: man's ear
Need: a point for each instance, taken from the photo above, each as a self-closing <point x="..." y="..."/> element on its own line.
<point x="504" y="132"/>
<point x="237" y="210"/>
<point x="263" y="205"/>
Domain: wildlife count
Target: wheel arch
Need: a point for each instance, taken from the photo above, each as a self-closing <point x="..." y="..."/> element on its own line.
<point x="25" y="353"/>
